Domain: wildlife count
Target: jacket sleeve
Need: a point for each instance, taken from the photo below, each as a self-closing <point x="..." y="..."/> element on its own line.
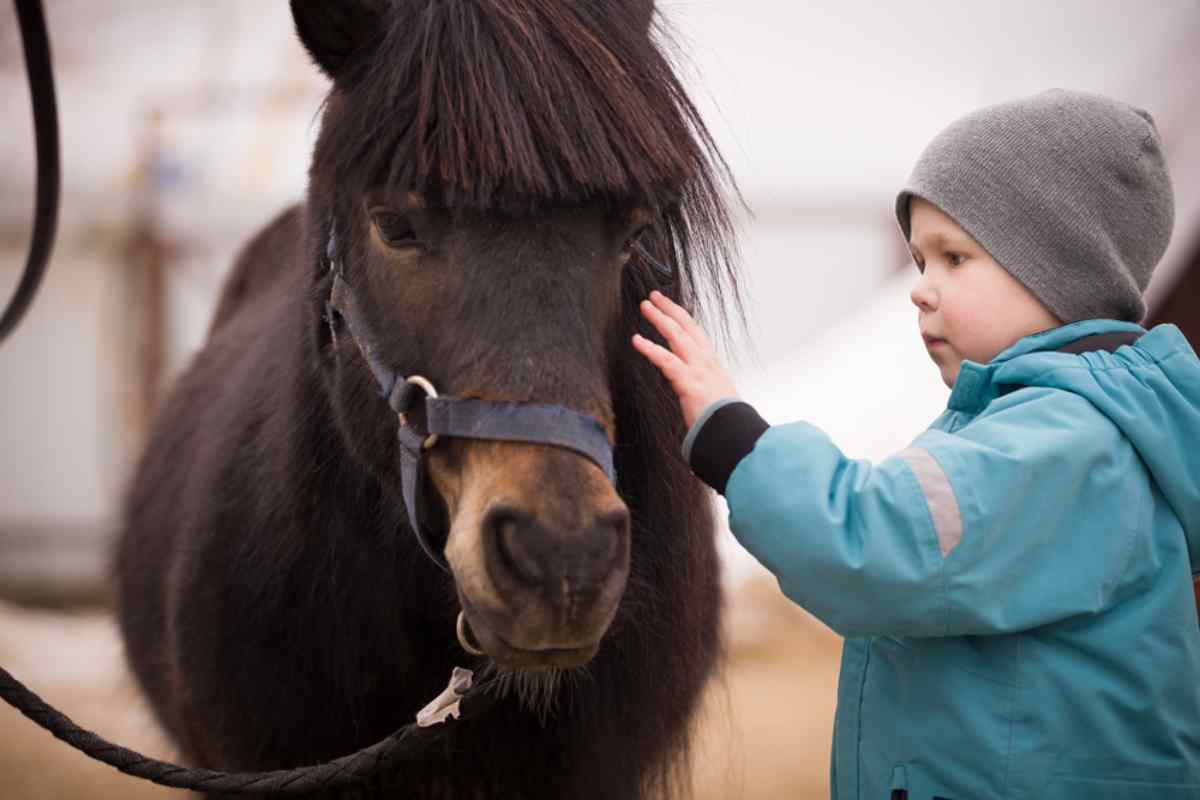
<point x="1023" y="517"/>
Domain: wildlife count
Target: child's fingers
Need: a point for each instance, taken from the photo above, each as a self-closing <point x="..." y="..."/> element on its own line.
<point x="681" y="316"/>
<point x="681" y="343"/>
<point x="666" y="361"/>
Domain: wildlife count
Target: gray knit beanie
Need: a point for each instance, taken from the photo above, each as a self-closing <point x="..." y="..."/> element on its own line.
<point x="1067" y="191"/>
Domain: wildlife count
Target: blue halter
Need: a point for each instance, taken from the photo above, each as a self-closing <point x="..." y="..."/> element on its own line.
<point x="535" y="423"/>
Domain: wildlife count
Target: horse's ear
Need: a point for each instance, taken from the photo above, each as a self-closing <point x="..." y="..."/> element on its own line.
<point x="333" y="31"/>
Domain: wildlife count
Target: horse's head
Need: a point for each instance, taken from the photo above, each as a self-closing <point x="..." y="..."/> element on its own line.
<point x="524" y="309"/>
<point x="489" y="168"/>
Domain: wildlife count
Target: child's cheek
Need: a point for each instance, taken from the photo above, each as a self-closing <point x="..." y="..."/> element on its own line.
<point x="968" y="328"/>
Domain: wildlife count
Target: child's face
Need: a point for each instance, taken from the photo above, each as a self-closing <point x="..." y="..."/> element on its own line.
<point x="970" y="307"/>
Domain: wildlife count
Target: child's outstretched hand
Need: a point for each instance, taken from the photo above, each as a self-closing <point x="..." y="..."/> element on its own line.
<point x="691" y="365"/>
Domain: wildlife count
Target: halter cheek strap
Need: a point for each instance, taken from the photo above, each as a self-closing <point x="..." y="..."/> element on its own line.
<point x="534" y="423"/>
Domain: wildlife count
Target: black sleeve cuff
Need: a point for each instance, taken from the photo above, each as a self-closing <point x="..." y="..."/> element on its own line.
<point x="726" y="438"/>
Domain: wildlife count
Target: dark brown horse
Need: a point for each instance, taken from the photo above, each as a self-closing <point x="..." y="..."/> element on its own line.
<point x="504" y="181"/>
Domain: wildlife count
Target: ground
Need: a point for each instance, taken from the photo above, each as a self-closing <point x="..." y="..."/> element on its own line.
<point x="764" y="732"/>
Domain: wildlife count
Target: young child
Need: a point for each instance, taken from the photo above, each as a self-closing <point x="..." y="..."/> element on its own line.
<point x="1015" y="587"/>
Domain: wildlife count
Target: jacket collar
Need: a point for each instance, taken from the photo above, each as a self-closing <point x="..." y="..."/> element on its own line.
<point x="1063" y="335"/>
<point x="974" y="388"/>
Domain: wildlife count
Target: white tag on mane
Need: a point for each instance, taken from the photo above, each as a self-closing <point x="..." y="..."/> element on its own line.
<point x="445" y="705"/>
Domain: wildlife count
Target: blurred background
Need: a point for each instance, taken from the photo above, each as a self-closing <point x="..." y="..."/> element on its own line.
<point x="187" y="125"/>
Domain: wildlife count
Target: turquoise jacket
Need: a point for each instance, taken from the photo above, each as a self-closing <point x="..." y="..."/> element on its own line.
<point x="1015" y="587"/>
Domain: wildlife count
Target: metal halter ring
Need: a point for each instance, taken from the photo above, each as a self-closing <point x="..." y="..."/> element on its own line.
<point x="426" y="386"/>
<point x="463" y="639"/>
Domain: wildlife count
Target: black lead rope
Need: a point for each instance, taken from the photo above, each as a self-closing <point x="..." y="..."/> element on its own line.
<point x="376" y="761"/>
<point x="45" y="118"/>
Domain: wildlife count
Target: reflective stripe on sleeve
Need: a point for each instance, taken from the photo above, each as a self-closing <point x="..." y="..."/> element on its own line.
<point x="939" y="496"/>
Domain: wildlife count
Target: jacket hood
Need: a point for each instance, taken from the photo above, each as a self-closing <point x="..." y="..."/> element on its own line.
<point x="1150" y="390"/>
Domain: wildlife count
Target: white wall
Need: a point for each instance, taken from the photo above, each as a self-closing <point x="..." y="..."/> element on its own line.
<point x="57" y="408"/>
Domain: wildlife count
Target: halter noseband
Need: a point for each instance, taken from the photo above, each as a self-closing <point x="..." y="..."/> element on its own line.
<point x="534" y="423"/>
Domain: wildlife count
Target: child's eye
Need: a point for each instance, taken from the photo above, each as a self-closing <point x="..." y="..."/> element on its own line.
<point x="955" y="259"/>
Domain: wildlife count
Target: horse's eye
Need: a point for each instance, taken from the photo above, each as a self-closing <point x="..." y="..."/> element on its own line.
<point x="627" y="248"/>
<point x="394" y="228"/>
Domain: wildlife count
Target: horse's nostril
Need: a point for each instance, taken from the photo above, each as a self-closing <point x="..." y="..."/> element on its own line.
<point x="512" y="533"/>
<point x="522" y="552"/>
<point x="610" y="533"/>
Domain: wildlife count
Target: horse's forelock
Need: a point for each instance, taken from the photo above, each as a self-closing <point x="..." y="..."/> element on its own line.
<point x="512" y="106"/>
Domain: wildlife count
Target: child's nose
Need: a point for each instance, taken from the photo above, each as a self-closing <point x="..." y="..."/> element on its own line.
<point x="923" y="295"/>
